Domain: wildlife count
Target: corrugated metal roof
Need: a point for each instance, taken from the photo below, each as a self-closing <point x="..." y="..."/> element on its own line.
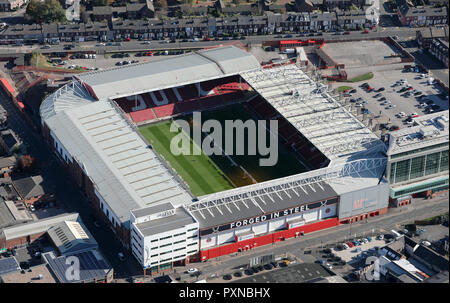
<point x="126" y="172"/>
<point x="71" y="237"/>
<point x="26" y="229"/>
<point x="168" y="72"/>
<point x="265" y="203"/>
<point x="93" y="266"/>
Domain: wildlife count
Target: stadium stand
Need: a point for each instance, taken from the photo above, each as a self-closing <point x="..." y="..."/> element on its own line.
<point x="183" y="99"/>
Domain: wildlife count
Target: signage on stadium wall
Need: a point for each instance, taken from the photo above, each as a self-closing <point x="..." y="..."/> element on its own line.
<point x="269" y="216"/>
<point x="245" y="237"/>
<point x="296" y="224"/>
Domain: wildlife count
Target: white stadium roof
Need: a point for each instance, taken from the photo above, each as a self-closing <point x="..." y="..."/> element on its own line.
<point x="169" y="72"/>
<point x="126" y="172"/>
<point x="307" y="105"/>
<point x="129" y="175"/>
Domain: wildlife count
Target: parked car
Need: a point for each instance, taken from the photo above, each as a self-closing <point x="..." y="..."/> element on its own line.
<point x="426" y="243"/>
<point x="227" y="277"/>
<point x="192" y="270"/>
<point x="237" y="274"/>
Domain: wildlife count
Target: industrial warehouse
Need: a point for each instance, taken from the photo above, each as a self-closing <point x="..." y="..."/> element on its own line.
<point x="92" y="124"/>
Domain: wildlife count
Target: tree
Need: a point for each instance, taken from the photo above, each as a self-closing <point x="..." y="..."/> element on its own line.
<point x="84" y="17"/>
<point x="27" y="162"/>
<point x="160" y="4"/>
<point x="47" y="11"/>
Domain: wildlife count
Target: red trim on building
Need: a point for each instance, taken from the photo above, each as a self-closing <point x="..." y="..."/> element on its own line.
<point x="9" y="89"/>
<point x="266" y="239"/>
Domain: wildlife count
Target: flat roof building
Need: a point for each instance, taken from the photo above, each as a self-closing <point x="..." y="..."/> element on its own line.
<point x="418" y="156"/>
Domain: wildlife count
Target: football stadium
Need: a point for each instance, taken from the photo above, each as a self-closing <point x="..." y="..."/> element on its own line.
<point x="112" y="131"/>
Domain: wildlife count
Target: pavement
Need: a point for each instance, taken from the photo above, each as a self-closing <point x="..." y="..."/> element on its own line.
<point x="135" y="45"/>
<point x="297" y="273"/>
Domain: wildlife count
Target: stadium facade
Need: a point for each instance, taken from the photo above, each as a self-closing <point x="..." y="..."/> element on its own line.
<point x="418" y="159"/>
<point x="151" y="209"/>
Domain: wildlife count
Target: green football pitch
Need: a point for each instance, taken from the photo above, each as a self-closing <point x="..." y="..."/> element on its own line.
<point x="209" y="174"/>
<point x="201" y="174"/>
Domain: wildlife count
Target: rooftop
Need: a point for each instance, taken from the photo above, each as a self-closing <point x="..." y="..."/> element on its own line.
<point x="31" y="228"/>
<point x="308" y="106"/>
<point x="71" y="237"/>
<point x="29" y="187"/>
<point x="429" y="130"/>
<point x="8" y="265"/>
<point x="40" y="274"/>
<point x="159" y="74"/>
<point x="180" y="219"/>
<point x="284" y="193"/>
<point x="126" y="172"/>
<point x="93" y="266"/>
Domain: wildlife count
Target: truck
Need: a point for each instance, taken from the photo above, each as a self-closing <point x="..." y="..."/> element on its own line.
<point x="289" y="51"/>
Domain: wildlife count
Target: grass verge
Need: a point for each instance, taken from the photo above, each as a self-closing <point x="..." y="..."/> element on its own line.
<point x="359" y="78"/>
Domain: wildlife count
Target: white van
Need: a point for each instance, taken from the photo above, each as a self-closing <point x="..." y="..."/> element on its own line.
<point x="395" y="234"/>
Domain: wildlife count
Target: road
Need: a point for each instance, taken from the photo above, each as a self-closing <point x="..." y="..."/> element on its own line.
<point x="419" y="209"/>
<point x="67" y="193"/>
<point x="134" y="45"/>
